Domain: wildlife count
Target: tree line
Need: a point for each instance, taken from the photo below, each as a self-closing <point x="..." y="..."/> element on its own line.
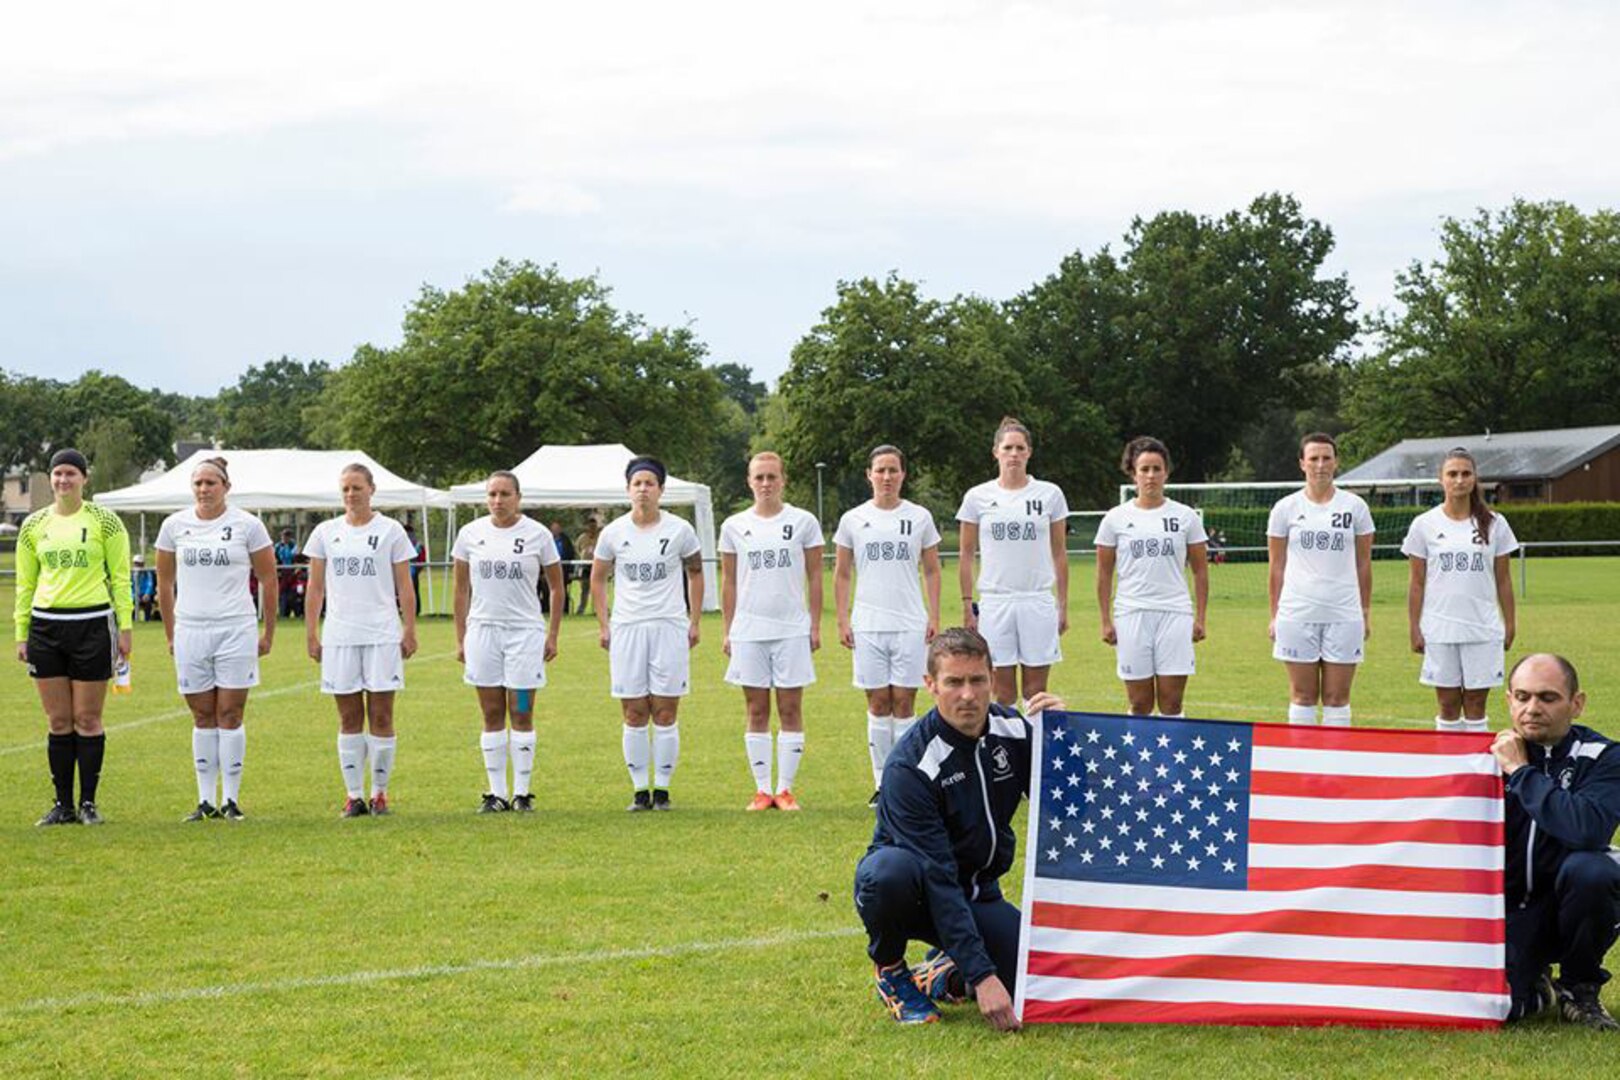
<point x="1224" y="336"/>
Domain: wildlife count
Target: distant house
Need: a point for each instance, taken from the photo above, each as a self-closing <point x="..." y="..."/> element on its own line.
<point x="23" y="492"/>
<point x="1567" y="465"/>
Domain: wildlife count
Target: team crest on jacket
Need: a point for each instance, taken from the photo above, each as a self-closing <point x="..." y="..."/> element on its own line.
<point x="1001" y="764"/>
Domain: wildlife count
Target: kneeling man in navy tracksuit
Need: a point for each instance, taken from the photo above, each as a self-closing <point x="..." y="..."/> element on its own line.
<point x="943" y="838"/>
<point x="1563" y="881"/>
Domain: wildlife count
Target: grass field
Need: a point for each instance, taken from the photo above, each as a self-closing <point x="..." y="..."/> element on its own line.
<point x="582" y="940"/>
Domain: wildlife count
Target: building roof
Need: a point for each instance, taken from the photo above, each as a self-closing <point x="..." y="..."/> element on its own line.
<point x="1514" y="455"/>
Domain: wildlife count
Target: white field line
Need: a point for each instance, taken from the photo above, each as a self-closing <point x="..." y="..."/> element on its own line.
<point x="426" y="971"/>
<point x="185" y="714"/>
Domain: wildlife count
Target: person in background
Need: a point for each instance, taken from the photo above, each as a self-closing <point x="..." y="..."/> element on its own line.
<point x="286" y="574"/>
<point x="145" y="586"/>
<point x="418" y="562"/>
<point x="585" y="545"/>
<point x="565" y="552"/>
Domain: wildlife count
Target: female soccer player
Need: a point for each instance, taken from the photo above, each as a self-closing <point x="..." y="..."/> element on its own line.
<point x="1460" y="598"/>
<point x="359" y="570"/>
<point x="882" y="544"/>
<point x="502" y="636"/>
<point x="769" y="555"/>
<point x="204" y="558"/>
<point x="1151" y="541"/>
<point x="72" y="614"/>
<point x="1319" y="541"/>
<point x="1018" y="526"/>
<point x="653" y="627"/>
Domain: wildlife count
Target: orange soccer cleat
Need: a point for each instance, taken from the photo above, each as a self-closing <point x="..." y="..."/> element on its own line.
<point x="762" y="801"/>
<point x="785" y="801"/>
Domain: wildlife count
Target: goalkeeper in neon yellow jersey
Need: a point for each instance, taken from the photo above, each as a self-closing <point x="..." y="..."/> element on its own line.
<point x="73" y="618"/>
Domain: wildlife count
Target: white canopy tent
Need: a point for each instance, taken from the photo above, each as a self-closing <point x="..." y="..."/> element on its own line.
<point x="585" y="476"/>
<point x="277" y="480"/>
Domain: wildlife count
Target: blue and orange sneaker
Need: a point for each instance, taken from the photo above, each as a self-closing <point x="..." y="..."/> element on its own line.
<point x="906" y="1003"/>
<point x="940" y="978"/>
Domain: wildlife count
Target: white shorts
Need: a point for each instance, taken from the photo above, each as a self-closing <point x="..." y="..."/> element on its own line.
<point x="223" y="657"/>
<point x="1472" y="665"/>
<point x="349" y="669"/>
<point x="649" y="658"/>
<point x="509" y="656"/>
<point x="888" y="658"/>
<point x="782" y="664"/>
<point x="1308" y="642"/>
<point x="1020" y="630"/>
<point x="1153" y="643"/>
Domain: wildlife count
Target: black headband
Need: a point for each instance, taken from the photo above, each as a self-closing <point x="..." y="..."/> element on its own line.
<point x="645" y="464"/>
<point x="69" y="456"/>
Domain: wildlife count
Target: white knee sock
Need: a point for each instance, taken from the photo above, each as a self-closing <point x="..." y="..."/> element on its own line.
<point x="232" y="751"/>
<point x="352" y="760"/>
<point x="902" y="724"/>
<point x="789" y="752"/>
<point x="382" y="761"/>
<point x="1172" y="716"/>
<point x="666" y="752"/>
<point x="205" y="758"/>
<point x="1335" y="716"/>
<point x="1301" y="714"/>
<point x="637" y="751"/>
<point x="1476" y="723"/>
<point x="879" y="741"/>
<point x="1442" y="724"/>
<point x="493" y="745"/>
<point x="758" y="745"/>
<point x="523" y="744"/>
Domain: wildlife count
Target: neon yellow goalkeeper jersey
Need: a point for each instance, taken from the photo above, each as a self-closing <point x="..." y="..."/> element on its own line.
<point x="80" y="560"/>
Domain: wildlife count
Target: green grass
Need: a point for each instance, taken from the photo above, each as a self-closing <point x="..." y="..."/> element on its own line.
<point x="583" y="941"/>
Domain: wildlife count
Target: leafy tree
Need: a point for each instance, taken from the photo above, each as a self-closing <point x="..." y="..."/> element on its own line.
<point x="98" y="396"/>
<point x="114" y="449"/>
<point x="739" y="385"/>
<point x="1197" y="329"/>
<point x="1515" y="327"/>
<point x="272" y="404"/>
<point x="518" y="357"/>
<point x="26" y="406"/>
<point x="887" y="365"/>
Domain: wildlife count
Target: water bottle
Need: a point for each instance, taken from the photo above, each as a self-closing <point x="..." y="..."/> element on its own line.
<point x="121" y="684"/>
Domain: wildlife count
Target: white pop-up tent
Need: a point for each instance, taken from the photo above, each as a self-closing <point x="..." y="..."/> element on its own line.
<point x="594" y="476"/>
<point x="277" y="480"/>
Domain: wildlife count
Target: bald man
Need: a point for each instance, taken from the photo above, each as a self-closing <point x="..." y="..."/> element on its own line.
<point x="1562" y="879"/>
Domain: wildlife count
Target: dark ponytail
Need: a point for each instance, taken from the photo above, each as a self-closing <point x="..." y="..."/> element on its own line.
<point x="1477" y="509"/>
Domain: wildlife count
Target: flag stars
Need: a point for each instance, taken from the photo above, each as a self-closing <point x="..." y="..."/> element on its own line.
<point x="1195" y="803"/>
<point x="1051" y="854"/>
<point x="1093" y="735"/>
<point x="1211" y="850"/>
<point x="1145" y="754"/>
<point x="1088" y="826"/>
<point x="1085" y="856"/>
<point x="1158" y="832"/>
<point x="1070" y="840"/>
<point x="1074" y="779"/>
<point x="1234" y="746"/>
<point x="1175" y="817"/>
<point x="1110" y="752"/>
<point x="1196" y="773"/>
<point x="1105" y="843"/>
<point x="1158" y="862"/>
<point x="1181" y="758"/>
<point x="1071" y="810"/>
<point x="1195" y="833"/>
<point x="1056" y="823"/>
<point x="1161" y="772"/>
<point x="1106" y="813"/>
<point x="1193" y="863"/>
<point x="1214" y="759"/>
<point x="1164" y="742"/>
<point x="1175" y="847"/>
<point x="1213" y="819"/>
<point x="1160" y="801"/>
<point x="1091" y="795"/>
<point x="1198" y="742"/>
<point x="1229" y="836"/>
<point x="1229" y="866"/>
<point x="1092" y="765"/>
<point x="1123" y="859"/>
<point x="1129" y="738"/>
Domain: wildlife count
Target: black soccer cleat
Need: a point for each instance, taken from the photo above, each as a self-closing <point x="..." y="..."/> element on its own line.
<point x="204" y="811"/>
<point x="642" y="801"/>
<point x="1578" y="1004"/>
<point x="88" y="814"/>
<point x="231" y="812"/>
<point x="661" y="799"/>
<point x="523" y="804"/>
<point x="493" y="804"/>
<point x="59" y="814"/>
<point x="355" y="808"/>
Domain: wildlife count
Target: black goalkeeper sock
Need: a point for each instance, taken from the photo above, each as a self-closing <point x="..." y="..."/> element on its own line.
<point x="91" y="750"/>
<point x="61" y="752"/>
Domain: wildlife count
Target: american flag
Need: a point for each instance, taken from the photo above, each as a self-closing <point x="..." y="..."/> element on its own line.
<point x="1200" y="871"/>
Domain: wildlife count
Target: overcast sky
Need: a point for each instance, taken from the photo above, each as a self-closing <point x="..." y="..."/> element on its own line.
<point x="190" y="188"/>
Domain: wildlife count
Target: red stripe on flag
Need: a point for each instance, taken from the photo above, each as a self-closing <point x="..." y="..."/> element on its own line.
<point x="1327" y="924"/>
<point x="1314" y="786"/>
<point x="1396" y="878"/>
<point x="1460" y="980"/>
<point x="1082" y="1010"/>
<point x="1372" y="740"/>
<point x="1487" y="833"/>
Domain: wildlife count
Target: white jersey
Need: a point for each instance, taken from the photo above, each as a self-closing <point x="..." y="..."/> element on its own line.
<point x="212" y="564"/>
<point x="1459" y="594"/>
<point x="1319" y="580"/>
<point x="1150" y="557"/>
<point x="1015" y="531"/>
<point x="505" y="566"/>
<point x="887" y="546"/>
<point x="649" y="578"/>
<point x="361" y="605"/>
<point x="770" y="572"/>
